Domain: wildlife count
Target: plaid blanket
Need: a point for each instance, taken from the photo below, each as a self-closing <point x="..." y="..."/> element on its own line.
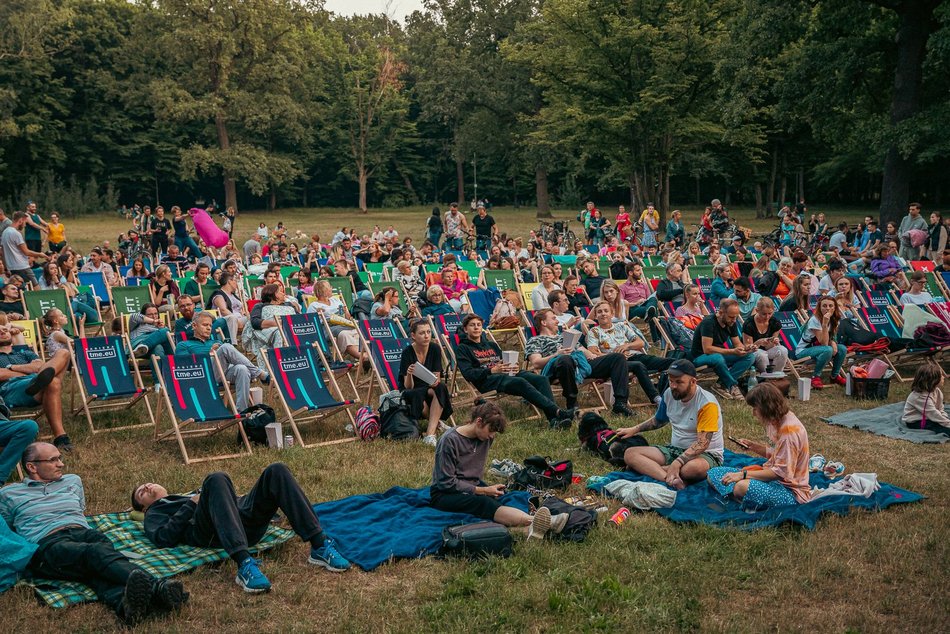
<point x="129" y="538"/>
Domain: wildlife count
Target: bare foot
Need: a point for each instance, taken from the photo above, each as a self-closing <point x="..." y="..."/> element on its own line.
<point x="678" y="484"/>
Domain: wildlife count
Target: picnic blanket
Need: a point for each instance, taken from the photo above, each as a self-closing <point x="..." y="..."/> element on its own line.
<point x="373" y="529"/>
<point x="699" y="502"/>
<point x="129" y="538"/>
<point x="885" y="421"/>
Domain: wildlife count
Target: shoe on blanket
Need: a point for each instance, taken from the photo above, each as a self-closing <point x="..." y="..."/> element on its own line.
<point x="329" y="557"/>
<point x="833" y="469"/>
<point x="540" y="523"/>
<point x="250" y="577"/>
<point x="137" y="598"/>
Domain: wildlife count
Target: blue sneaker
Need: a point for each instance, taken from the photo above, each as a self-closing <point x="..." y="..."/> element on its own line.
<point x="329" y="557"/>
<point x="251" y="578"/>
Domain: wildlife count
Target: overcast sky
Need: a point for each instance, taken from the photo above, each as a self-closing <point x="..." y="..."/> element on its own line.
<point x="397" y="8"/>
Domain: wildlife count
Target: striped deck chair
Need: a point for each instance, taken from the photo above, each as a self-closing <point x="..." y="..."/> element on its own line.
<point x="189" y="389"/>
<point x="592" y="386"/>
<point x="942" y="311"/>
<point x="298" y="379"/>
<point x="106" y="380"/>
<point x="934" y="287"/>
<point x="882" y="323"/>
<point x="385" y="356"/>
<point x="877" y="299"/>
<point x="789" y="336"/>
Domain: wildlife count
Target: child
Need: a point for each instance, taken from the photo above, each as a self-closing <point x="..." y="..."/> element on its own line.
<point x="457" y="486"/>
<point x="923" y="408"/>
<point x="56" y="338"/>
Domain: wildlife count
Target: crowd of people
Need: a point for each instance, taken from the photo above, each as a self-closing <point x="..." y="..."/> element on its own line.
<point x="228" y="301"/>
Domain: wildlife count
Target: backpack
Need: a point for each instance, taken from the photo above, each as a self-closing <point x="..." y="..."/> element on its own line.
<point x="541" y="473"/>
<point x="766" y="283"/>
<point x="395" y="424"/>
<point x="505" y="314"/>
<point x="679" y="334"/>
<point x="367" y="423"/>
<point x="256" y="418"/>
<point x="932" y="335"/>
<point x="476" y="541"/>
<point x="579" y="520"/>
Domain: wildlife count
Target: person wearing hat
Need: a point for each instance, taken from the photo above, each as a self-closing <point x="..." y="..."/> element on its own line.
<point x="736" y="243"/>
<point x="696" y="444"/>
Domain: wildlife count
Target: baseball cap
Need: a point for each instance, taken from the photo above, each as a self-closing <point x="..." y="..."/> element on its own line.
<point x="681" y="367"/>
<point x="739" y="238"/>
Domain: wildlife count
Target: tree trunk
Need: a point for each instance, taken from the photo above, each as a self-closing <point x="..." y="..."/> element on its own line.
<point x="916" y="25"/>
<point x="415" y="200"/>
<point x="699" y="200"/>
<point x="665" y="198"/>
<point x="272" y="200"/>
<point x="224" y="142"/>
<point x="771" y="192"/>
<point x="541" y="190"/>
<point x="759" y="207"/>
<point x="460" y="178"/>
<point x="801" y="183"/>
<point x="362" y="176"/>
<point x="783" y="188"/>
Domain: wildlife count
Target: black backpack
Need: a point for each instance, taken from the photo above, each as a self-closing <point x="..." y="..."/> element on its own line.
<point x="256" y="418"/>
<point x="579" y="520"/>
<point x="766" y="283"/>
<point x="476" y="541"/>
<point x="395" y="424"/>
<point x="541" y="473"/>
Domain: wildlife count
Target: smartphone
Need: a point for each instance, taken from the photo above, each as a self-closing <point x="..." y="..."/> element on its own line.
<point x="735" y="440"/>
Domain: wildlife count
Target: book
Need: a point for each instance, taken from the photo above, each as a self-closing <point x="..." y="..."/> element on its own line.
<point x="422" y="373"/>
<point x="570" y="338"/>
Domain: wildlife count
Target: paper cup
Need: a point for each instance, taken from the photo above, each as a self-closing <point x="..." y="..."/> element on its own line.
<point x="275" y="435"/>
<point x="256" y="395"/>
<point x="804" y="389"/>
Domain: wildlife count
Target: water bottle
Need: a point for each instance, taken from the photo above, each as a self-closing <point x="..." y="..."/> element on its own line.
<point x="753" y="379"/>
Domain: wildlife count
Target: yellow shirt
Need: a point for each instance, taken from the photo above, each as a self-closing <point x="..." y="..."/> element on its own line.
<point x="57" y="233"/>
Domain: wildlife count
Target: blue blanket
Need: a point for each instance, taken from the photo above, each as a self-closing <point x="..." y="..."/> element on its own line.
<point x="369" y="530"/>
<point x="701" y="504"/>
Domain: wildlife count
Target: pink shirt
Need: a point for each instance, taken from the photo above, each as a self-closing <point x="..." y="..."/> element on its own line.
<point x="636" y="292"/>
<point x="789" y="458"/>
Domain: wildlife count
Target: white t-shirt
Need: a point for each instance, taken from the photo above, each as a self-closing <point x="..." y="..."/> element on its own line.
<point x="13" y="257"/>
<point x="687" y="418"/>
<point x="923" y="298"/>
<point x="335" y="307"/>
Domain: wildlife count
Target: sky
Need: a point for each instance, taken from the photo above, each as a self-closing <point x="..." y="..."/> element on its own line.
<point x="397" y="8"/>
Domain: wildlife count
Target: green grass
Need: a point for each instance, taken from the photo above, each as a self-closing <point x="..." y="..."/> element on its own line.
<point x="868" y="572"/>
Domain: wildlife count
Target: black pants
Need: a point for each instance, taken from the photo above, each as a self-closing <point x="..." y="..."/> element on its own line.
<point x="86" y="555"/>
<point x="936" y="428"/>
<point x="642" y="365"/>
<point x="159" y="243"/>
<point x="608" y="366"/>
<point x="532" y="387"/>
<point x="224" y="520"/>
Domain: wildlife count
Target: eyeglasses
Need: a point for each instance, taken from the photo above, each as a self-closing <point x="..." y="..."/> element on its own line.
<point x="53" y="459"/>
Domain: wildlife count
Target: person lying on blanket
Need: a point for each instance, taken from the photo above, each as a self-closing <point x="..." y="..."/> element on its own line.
<point x="783" y="479"/>
<point x="216" y="517"/>
<point x="696" y="418"/>
<point x="457" y="485"/>
<point x="47" y="508"/>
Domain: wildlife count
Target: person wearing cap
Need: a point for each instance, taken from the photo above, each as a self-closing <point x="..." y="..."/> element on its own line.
<point x="717" y="343"/>
<point x="696" y="444"/>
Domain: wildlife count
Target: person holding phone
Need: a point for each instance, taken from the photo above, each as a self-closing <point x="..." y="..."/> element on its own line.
<point x="761" y="331"/>
<point x="457" y="485"/>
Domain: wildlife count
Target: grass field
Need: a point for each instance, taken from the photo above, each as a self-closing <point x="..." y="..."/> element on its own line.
<point x="862" y="573"/>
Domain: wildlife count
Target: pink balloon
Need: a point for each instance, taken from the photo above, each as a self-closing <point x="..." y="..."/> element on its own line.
<point x="207" y="230"/>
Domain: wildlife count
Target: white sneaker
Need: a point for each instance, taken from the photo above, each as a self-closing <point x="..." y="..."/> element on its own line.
<point x="540" y="523"/>
<point x="432" y="441"/>
<point x="558" y="522"/>
<point x="140" y="351"/>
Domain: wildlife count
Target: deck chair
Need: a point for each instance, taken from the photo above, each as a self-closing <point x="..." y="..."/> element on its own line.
<point x="312" y="329"/>
<point x="704" y="284"/>
<point x="375" y="271"/>
<point x="934" y="287"/>
<point x="696" y="271"/>
<point x="501" y="279"/>
<point x="100" y="288"/>
<point x="129" y="299"/>
<point x="923" y="265"/>
<point x="591" y="386"/>
<point x="944" y="280"/>
<point x="206" y="290"/>
<point x="342" y="286"/>
<point x="31" y="335"/>
<point x="527" y="289"/>
<point x="385" y="356"/>
<point x="940" y="309"/>
<point x="881" y="321"/>
<point x="298" y="379"/>
<point x="372" y="329"/>
<point x="190" y="390"/>
<point x="789" y="336"/>
<point x="38" y="303"/>
<point x="107" y="381"/>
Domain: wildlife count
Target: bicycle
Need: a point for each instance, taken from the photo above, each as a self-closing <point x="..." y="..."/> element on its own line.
<point x="557" y="232"/>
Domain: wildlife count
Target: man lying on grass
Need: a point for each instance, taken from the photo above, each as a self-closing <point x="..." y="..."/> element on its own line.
<point x="457" y="485"/>
<point x="216" y="517"/>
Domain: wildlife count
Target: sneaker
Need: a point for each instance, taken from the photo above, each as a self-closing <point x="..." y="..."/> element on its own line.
<point x="833" y="469"/>
<point x="265" y="379"/>
<point x="140" y="351"/>
<point x="169" y="594"/>
<point x="735" y="393"/>
<point x="570" y="413"/>
<point x="430" y="440"/>
<point x="622" y="409"/>
<point x="816" y="383"/>
<point x="40" y="381"/>
<point x="329" y="557"/>
<point x="251" y="578"/>
<point x="558" y="522"/>
<point x="840" y="380"/>
<point x="504" y="469"/>
<point x="137" y="597"/>
<point x="63" y="443"/>
<point x="540" y="523"/>
<point x="816" y="463"/>
<point x="560" y="423"/>
<point x="650" y="314"/>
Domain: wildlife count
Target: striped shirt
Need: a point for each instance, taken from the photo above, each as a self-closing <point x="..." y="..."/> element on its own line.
<point x="35" y="509"/>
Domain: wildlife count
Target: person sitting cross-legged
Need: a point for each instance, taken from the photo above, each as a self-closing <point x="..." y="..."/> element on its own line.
<point x="547" y="354"/>
<point x="696" y="445"/>
<point x="47" y="508"/>
<point x="457" y="485"/>
<point x="28" y="381"/>
<point x="186" y="308"/>
<point x="215" y="516"/>
<point x="718" y="344"/>
<point x="238" y="369"/>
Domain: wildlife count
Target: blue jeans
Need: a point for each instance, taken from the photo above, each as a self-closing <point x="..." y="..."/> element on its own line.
<point x="157" y="342"/>
<point x="188" y="242"/>
<point x="822" y="355"/>
<point x="453" y="244"/>
<point x="81" y="309"/>
<point x="15" y="435"/>
<point x="641" y="312"/>
<point x="727" y="367"/>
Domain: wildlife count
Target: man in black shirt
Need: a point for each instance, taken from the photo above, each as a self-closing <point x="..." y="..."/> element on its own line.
<point x="592" y="279"/>
<point x="485" y="228"/>
<point x="160" y="226"/>
<point x="717" y="343"/>
<point x="670" y="289"/>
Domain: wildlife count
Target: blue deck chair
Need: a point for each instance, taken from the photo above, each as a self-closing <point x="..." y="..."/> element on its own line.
<point x="704" y="284"/>
<point x="106" y="380"/>
<point x="97" y="281"/>
<point x="789" y="336"/>
<point x="877" y="299"/>
<point x="311" y="329"/>
<point x="372" y="329"/>
<point x="385" y="358"/>
<point x="197" y="408"/>
<point x="298" y="378"/>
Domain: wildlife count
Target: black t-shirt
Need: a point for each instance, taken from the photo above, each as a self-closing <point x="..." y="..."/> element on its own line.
<point x="483" y="225"/>
<point x="750" y="328"/>
<point x="181" y="227"/>
<point x="710" y="327"/>
<point x="11" y="307"/>
<point x="160" y="226"/>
